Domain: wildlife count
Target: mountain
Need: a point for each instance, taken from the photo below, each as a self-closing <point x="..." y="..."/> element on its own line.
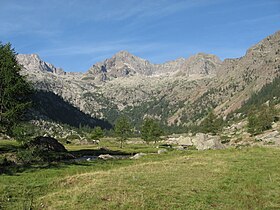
<point x="178" y="92"/>
<point x="34" y="63"/>
<point x="124" y="64"/>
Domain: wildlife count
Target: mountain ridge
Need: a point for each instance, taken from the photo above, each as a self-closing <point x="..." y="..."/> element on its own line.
<point x="178" y="92"/>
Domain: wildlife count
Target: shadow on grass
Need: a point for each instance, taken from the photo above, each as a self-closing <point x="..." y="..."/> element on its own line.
<point x="97" y="152"/>
<point x="58" y="162"/>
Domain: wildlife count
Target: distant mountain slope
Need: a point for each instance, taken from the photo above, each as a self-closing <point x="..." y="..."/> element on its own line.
<point x="179" y="92"/>
<point x="47" y="105"/>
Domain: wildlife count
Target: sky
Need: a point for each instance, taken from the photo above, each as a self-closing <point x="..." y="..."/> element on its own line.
<point x="75" y="34"/>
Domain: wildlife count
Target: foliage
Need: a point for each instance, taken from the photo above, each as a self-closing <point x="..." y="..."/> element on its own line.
<point x="122" y="129"/>
<point x="24" y="132"/>
<point x="261" y="119"/>
<point x="14" y="90"/>
<point x="211" y="124"/>
<point x="97" y="133"/>
<point x="269" y="92"/>
<point x="150" y="131"/>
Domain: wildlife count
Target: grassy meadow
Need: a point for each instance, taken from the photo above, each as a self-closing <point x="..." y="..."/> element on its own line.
<point x="247" y="178"/>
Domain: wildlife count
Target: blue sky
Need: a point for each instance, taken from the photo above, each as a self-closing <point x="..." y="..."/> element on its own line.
<point x="75" y="34"/>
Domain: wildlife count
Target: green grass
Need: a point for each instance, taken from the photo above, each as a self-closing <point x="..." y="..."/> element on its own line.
<point x="248" y="178"/>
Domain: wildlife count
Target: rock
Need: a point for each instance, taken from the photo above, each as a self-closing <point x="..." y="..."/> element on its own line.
<point x="271" y="137"/>
<point x="204" y="142"/>
<point x="184" y="141"/>
<point x="47" y="144"/>
<point x="95" y="141"/>
<point x="106" y="157"/>
<point x="179" y="147"/>
<point x="161" y="151"/>
<point x="137" y="156"/>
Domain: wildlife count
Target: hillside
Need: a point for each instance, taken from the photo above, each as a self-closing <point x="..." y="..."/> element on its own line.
<point x="178" y="92"/>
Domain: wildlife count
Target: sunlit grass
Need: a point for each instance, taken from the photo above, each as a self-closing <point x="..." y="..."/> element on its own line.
<point x="224" y="179"/>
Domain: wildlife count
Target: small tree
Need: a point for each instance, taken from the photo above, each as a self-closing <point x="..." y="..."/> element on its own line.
<point x="150" y="131"/>
<point x="97" y="133"/>
<point x="261" y="119"/>
<point x="122" y="129"/>
<point x="14" y="90"/>
<point x="211" y="124"/>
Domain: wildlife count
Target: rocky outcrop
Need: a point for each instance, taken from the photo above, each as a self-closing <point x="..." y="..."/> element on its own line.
<point x="46" y="144"/>
<point x="269" y="138"/>
<point x="200" y="141"/>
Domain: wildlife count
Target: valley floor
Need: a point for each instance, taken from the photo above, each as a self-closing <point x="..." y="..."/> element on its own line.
<point x="246" y="178"/>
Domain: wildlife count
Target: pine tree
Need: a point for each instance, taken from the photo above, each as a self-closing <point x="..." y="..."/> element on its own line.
<point x="97" y="133"/>
<point x="150" y="131"/>
<point x="122" y="129"/>
<point x="14" y="90"/>
<point x="211" y="124"/>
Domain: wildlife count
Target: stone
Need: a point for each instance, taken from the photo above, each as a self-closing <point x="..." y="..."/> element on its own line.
<point x="204" y="142"/>
<point x="137" y="156"/>
<point x="160" y="151"/>
<point x="271" y="137"/>
<point x="179" y="147"/>
<point x="106" y="157"/>
<point x="184" y="141"/>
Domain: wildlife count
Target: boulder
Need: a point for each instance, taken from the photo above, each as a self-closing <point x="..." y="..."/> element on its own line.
<point x="204" y="141"/>
<point x="179" y="147"/>
<point x="271" y="137"/>
<point x="137" y="156"/>
<point x="106" y="157"/>
<point x="47" y="144"/>
<point x="184" y="141"/>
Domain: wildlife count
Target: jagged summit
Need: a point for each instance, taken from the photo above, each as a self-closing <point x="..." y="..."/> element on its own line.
<point x="33" y="62"/>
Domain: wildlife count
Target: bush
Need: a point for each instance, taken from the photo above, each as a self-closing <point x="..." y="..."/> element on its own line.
<point x="97" y="133"/>
<point x="27" y="156"/>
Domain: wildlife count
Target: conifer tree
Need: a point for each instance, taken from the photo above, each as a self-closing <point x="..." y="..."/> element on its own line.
<point x="150" y="131"/>
<point x="122" y="129"/>
<point x="14" y="90"/>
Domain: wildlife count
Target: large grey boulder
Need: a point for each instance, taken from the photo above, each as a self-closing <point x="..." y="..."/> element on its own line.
<point x="204" y="142"/>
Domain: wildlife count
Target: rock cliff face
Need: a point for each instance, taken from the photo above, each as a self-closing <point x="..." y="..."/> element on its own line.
<point x="176" y="92"/>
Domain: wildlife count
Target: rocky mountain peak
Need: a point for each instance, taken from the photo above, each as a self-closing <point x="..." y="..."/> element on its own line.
<point x="124" y="64"/>
<point x="123" y="54"/>
<point x="33" y="62"/>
